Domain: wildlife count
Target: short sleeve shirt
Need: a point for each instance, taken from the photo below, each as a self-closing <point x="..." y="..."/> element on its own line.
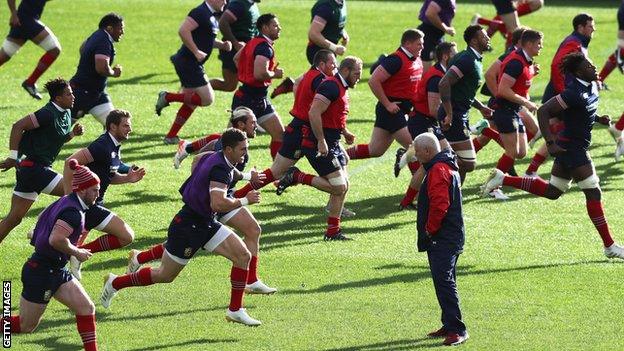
<point x="86" y="77"/>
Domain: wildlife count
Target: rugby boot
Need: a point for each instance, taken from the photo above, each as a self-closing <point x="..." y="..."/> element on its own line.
<point x="241" y="317"/>
<point x="494" y="181"/>
<point x="288" y="179"/>
<point x="258" y="287"/>
<point x="74" y="267"/>
<point x="614" y="132"/>
<point x="453" y="339"/>
<point x="614" y="251"/>
<point x="440" y="333"/>
<point x="31" y="89"/>
<point x="161" y="102"/>
<point x="108" y="292"/>
<point x="619" y="149"/>
<point x="478" y="127"/>
<point x="397" y="161"/>
<point x="133" y="263"/>
<point x="171" y="140"/>
<point x="286" y="86"/>
<point x="180" y="154"/>
<point x="336" y="237"/>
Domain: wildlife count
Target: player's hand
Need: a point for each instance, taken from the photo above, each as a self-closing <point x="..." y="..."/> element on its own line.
<point x="340" y="50"/>
<point x="531" y="106"/>
<point x="78" y="130"/>
<point x="536" y="69"/>
<point x="257" y="178"/>
<point x="117" y="71"/>
<point x="486" y="112"/>
<point x="14" y="20"/>
<point x="226" y="45"/>
<point x="82" y="254"/>
<point x="278" y="72"/>
<point x="349" y="137"/>
<point x="135" y="174"/>
<point x="253" y="197"/>
<point x="446" y="122"/>
<point x="322" y="148"/>
<point x="7" y="164"/>
<point x="554" y="149"/>
<point x="605" y="120"/>
<point x="345" y="39"/>
<point x="450" y="31"/>
<point x="238" y="45"/>
<point x="200" y="56"/>
<point x="392" y="107"/>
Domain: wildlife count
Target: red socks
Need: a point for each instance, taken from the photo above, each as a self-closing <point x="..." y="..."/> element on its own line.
<point x="492" y="134"/>
<point x="523" y="9"/>
<point x="44" y="63"/>
<point x="536" y="186"/>
<point x="476" y="144"/>
<point x="505" y="163"/>
<point x="15" y="324"/>
<point x="303" y="178"/>
<point x="413" y="166"/>
<point x="238" y="278"/>
<point x="619" y="125"/>
<point x="358" y="151"/>
<point x="275" y="146"/>
<point x="608" y="67"/>
<point x="154" y="253"/>
<point x="192" y="99"/>
<point x="142" y="277"/>
<point x="184" y="113"/>
<point x="86" y="329"/>
<point x="409" y="197"/>
<point x="536" y="162"/>
<point x="198" y="144"/>
<point x="104" y="243"/>
<point x="242" y="192"/>
<point x="252" y="274"/>
<point x="596" y="214"/>
<point x="333" y="226"/>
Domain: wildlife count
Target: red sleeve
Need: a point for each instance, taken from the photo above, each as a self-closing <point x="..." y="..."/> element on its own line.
<point x="556" y="75"/>
<point x="439" y="179"/>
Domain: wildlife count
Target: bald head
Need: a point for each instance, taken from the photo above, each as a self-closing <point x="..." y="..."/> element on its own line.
<point x="426" y="146"/>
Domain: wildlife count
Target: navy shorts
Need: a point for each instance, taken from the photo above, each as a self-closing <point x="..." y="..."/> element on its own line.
<point x="620" y="17"/>
<point x="190" y="72"/>
<point x="33" y="179"/>
<point x="29" y="29"/>
<point x="293" y="137"/>
<point x="420" y="123"/>
<point x="573" y="158"/>
<point x="311" y="50"/>
<point x="86" y="100"/>
<point x="227" y="60"/>
<point x="97" y="217"/>
<point x="508" y="120"/>
<point x="189" y="232"/>
<point x="41" y="280"/>
<point x="459" y="130"/>
<point x="260" y="105"/>
<point x="334" y="161"/>
<point x="392" y="122"/>
<point x="433" y="37"/>
<point x="503" y="6"/>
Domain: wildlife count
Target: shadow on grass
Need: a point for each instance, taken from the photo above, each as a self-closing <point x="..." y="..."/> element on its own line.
<point x="140" y="197"/>
<point x="138" y="80"/>
<point x="554" y="3"/>
<point x="398" y="345"/>
<point x="422" y="272"/>
<point x="206" y="342"/>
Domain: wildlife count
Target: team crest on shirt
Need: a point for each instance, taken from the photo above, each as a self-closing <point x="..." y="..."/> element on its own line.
<point x="297" y="154"/>
<point x="188" y="252"/>
<point x="113" y="154"/>
<point x="47" y="295"/>
<point x="515" y="124"/>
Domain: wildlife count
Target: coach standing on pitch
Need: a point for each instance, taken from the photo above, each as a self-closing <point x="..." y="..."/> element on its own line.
<point x="441" y="231"/>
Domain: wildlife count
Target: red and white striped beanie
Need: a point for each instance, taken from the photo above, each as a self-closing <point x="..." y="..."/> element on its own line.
<point x="83" y="177"/>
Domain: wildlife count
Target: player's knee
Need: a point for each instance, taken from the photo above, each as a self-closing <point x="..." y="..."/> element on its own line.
<point x="13" y="219"/>
<point x="88" y="308"/>
<point x="557" y="186"/>
<point x="242" y="258"/>
<point x="50" y="43"/>
<point x="127" y="236"/>
<point x="207" y="100"/>
<point x="467" y="159"/>
<point x="467" y="166"/>
<point x="520" y="154"/>
<point x="230" y="85"/>
<point x="55" y="52"/>
<point x="338" y="185"/>
<point x="27" y="326"/>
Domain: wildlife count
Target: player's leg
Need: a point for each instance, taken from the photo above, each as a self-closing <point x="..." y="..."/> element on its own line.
<point x="466" y="157"/>
<point x="48" y="42"/>
<point x="616" y="59"/>
<point x="74" y="296"/>
<point x="340" y="185"/>
<point x="538" y="159"/>
<point x="272" y="123"/>
<point x="379" y="142"/>
<point x="10" y="47"/>
<point x="20" y="204"/>
<point x="136" y="258"/>
<point x="102" y="108"/>
<point x="29" y="316"/>
<point x="229" y="72"/>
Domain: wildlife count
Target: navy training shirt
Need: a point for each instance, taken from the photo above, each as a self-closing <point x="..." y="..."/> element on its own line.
<point x="86" y="77"/>
<point x="580" y="99"/>
<point x="106" y="161"/>
<point x="204" y="35"/>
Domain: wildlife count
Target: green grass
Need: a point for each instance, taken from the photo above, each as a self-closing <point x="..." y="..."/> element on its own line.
<point x="533" y="276"/>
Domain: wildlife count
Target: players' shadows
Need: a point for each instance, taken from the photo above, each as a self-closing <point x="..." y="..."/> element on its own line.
<point x="204" y="341"/>
<point x="418" y="273"/>
<point x="52" y="343"/>
<point x="394" y="345"/>
<point x="140" y="197"/>
<point x="139" y="79"/>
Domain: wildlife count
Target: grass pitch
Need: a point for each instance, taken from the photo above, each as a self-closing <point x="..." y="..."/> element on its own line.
<point x="532" y="277"/>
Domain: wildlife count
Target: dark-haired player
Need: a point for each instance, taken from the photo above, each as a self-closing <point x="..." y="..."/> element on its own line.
<point x="194" y="227"/>
<point x="237" y="24"/>
<point x="44" y="275"/>
<point x="394" y="84"/>
<point x="103" y="157"/>
<point x="97" y="54"/>
<point x="25" y="25"/>
<point x="199" y="37"/>
<point x="458" y="88"/>
<point x="436" y="17"/>
<point x="34" y="144"/>
<point x="257" y="67"/>
<point x="576" y="105"/>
